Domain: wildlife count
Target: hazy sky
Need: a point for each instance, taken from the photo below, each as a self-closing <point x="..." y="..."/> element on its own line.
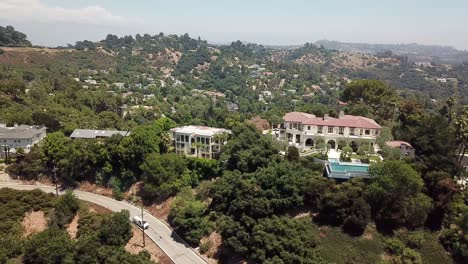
<point x="57" y="22"/>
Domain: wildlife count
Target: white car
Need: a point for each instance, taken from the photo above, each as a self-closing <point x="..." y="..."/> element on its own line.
<point x="140" y="222"/>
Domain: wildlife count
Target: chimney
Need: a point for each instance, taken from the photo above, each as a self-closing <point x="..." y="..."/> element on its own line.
<point x="325" y="117"/>
<point x="341" y="114"/>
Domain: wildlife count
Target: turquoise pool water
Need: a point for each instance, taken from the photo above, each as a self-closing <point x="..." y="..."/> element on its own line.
<point x="336" y="166"/>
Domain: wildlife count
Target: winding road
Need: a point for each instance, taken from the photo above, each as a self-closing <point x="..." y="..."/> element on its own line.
<point x="159" y="232"/>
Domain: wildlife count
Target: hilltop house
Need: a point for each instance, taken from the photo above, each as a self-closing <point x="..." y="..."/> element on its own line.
<point x="304" y="130"/>
<point x="23" y="136"/>
<point x="199" y="141"/>
<point x="94" y="134"/>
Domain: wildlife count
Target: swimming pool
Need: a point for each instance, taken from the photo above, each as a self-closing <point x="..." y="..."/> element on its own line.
<point x="346" y="170"/>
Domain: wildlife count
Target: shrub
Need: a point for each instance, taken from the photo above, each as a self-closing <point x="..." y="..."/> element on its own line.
<point x="415" y="239"/>
<point x="206" y="246"/>
<point x="410" y="256"/>
<point x="65" y="210"/>
<point x="1" y="51"/>
<point x="394" y="246"/>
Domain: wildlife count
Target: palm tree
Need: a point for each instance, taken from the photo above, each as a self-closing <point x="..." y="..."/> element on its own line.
<point x="198" y="145"/>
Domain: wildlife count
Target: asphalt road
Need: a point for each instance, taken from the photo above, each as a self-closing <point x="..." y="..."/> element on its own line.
<point x="159" y="232"/>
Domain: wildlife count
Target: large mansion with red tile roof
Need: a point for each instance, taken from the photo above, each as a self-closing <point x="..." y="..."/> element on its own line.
<point x="303" y="130"/>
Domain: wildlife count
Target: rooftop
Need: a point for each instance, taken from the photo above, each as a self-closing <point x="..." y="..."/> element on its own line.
<point x="21" y="131"/>
<point x="397" y="143"/>
<point x="91" y="133"/>
<point x="199" y="130"/>
<point x="343" y="120"/>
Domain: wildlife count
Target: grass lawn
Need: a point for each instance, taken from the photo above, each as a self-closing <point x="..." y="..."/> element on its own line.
<point x="337" y="247"/>
<point x="372" y="158"/>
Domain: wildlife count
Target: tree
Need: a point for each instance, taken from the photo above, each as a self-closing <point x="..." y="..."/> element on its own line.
<point x="461" y="130"/>
<point x="436" y="148"/>
<point x="293" y="154"/>
<point x="248" y="150"/>
<point x="50" y="246"/>
<point x="115" y="229"/>
<point x="187" y="217"/>
<point x="379" y="98"/>
<point x="344" y="205"/>
<point x="65" y="210"/>
<point x="161" y="173"/>
<point x="395" y="196"/>
<point x="283" y="240"/>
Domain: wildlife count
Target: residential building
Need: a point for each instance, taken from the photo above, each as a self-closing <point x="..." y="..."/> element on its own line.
<point x="304" y="130"/>
<point x="199" y="141"/>
<point x="232" y="107"/>
<point x="405" y="147"/>
<point x="95" y="134"/>
<point x="23" y="136"/>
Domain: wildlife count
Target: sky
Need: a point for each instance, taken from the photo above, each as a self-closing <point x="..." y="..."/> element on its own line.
<point x="270" y="22"/>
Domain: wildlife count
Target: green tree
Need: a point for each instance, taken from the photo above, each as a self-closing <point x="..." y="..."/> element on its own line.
<point x="395" y="196"/>
<point x="378" y="97"/>
<point x="47" y="247"/>
<point x="292" y="154"/>
<point x="115" y="229"/>
<point x="187" y="217"/>
<point x="248" y="150"/>
<point x="65" y="209"/>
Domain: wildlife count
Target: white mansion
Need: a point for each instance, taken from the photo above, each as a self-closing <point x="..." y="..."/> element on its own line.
<point x="22" y="136"/>
<point x="303" y="130"/>
<point x="199" y="141"/>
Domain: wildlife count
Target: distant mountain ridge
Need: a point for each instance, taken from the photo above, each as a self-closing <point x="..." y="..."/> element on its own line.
<point x="414" y="51"/>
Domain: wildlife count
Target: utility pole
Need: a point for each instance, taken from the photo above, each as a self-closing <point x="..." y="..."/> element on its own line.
<point x="55" y="179"/>
<point x="143" y="225"/>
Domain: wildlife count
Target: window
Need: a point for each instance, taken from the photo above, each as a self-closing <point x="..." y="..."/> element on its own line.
<point x="192" y="151"/>
<point x="320" y="129"/>
<point x="367" y="131"/>
<point x="351" y="131"/>
<point x="330" y="130"/>
<point x="186" y="138"/>
<point x="290" y="125"/>
<point x="341" y="130"/>
<point x="308" y="127"/>
<point x="178" y="138"/>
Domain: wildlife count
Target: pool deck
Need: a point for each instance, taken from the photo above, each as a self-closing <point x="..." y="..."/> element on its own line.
<point x="334" y="155"/>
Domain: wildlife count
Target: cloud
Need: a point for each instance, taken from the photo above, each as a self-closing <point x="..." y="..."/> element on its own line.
<point x="36" y="11"/>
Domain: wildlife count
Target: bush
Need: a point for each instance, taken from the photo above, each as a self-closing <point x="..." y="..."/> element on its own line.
<point x="65" y="210"/>
<point x="206" y="246"/>
<point x="117" y="194"/>
<point x="1" y="51"/>
<point x="415" y="239"/>
<point x="410" y="256"/>
<point x="394" y="246"/>
<point x="187" y="217"/>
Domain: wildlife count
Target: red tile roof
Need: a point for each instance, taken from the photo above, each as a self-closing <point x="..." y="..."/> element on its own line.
<point x="397" y="143"/>
<point x="343" y="121"/>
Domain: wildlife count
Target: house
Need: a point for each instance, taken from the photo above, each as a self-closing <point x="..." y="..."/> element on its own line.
<point x="232" y="107"/>
<point x="90" y="81"/>
<point x="119" y="85"/>
<point x="199" y="141"/>
<point x="405" y="147"/>
<point x="304" y="130"/>
<point x="22" y="136"/>
<point x="94" y="134"/>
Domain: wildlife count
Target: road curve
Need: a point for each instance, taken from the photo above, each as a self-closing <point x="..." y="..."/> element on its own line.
<point x="160" y="233"/>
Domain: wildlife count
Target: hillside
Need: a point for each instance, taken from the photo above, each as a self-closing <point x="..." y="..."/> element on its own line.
<point x="415" y="52"/>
